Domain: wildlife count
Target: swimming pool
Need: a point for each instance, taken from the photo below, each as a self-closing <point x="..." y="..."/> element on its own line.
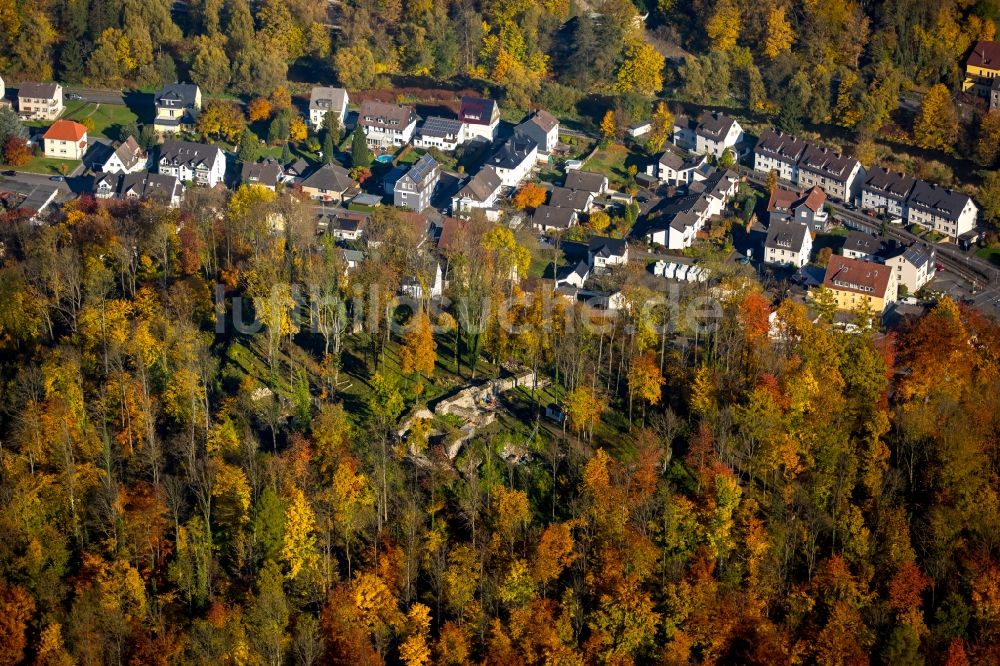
<point x="384" y="159"/>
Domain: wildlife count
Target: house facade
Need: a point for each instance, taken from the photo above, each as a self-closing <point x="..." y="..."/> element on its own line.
<point x="444" y="134"/>
<point x="329" y="183"/>
<point x="177" y="108"/>
<point x="480" y="192"/>
<point x="840" y="176"/>
<point x="387" y="125"/>
<point x="787" y="244"/>
<point x="140" y="185"/>
<point x="710" y="134"/>
<point x="514" y="160"/>
<point x="945" y="211"/>
<point x="914" y="267"/>
<point x="40" y="101"/>
<point x="777" y="151"/>
<point x="416" y="187"/>
<point x="856" y="283"/>
<point x="886" y="191"/>
<point x="673" y="168"/>
<point x="324" y="100"/>
<point x="127" y="157"/>
<point x="266" y="173"/>
<point x="586" y="181"/>
<point x="553" y="218"/>
<point x="542" y="128"/>
<point x="604" y="253"/>
<point x="481" y="118"/>
<point x="65" y="140"/>
<point x="982" y="68"/>
<point x="196" y="162"/>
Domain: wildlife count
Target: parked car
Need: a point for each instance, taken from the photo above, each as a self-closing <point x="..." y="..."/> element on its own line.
<point x="10" y="172"/>
<point x="73" y="96"/>
<point x="57" y="179"/>
<point x="938" y="267"/>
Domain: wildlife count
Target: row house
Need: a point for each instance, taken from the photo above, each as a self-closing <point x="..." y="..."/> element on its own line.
<point x="444" y="134"/>
<point x="196" y="162"/>
<point x="806" y="165"/>
<point x="710" y="134"/>
<point x="158" y="187"/>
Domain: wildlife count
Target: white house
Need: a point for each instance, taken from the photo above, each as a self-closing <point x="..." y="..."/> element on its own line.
<point x="886" y="191"/>
<point x="190" y="161"/>
<point x="777" y="151"/>
<point x="514" y="160"/>
<point x="604" y="253"/>
<point x="128" y="157"/>
<point x="481" y="118"/>
<point x="575" y="276"/>
<point x="945" y="211"/>
<point x="676" y="169"/>
<point x="323" y="100"/>
<point x="710" y="134"/>
<point x="387" y="125"/>
<point x="788" y="244"/>
<point x="40" y="101"/>
<point x="66" y="140"/>
<point x="914" y="267"/>
<point x="445" y="134"/>
<point x="480" y="192"/>
<point x="551" y="218"/>
<point x="139" y="185"/>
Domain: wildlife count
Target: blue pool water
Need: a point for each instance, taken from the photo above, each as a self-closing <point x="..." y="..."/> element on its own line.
<point x="384" y="159"/>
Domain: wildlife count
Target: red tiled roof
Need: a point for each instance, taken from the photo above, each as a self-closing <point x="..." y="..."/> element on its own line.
<point x="781" y="200"/>
<point x="863" y="277"/>
<point x="66" y="130"/>
<point x="815" y="199"/>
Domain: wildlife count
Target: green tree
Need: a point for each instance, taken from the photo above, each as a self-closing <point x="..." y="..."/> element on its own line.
<point x="355" y="67"/>
<point x="209" y="64"/>
<point x="989" y="196"/>
<point x="249" y="147"/>
<point x="361" y="156"/>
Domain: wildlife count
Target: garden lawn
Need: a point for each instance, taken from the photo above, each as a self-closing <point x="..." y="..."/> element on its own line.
<point x="990" y="254"/>
<point x="108" y="118"/>
<point x="613" y="160"/>
<point x="48" y="166"/>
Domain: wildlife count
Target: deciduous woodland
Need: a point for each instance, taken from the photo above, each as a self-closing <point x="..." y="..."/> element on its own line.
<point x="772" y="491"/>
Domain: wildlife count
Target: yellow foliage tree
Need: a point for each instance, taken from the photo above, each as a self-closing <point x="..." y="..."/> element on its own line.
<point x="641" y="70"/>
<point x="418" y="352"/>
<point x="609" y="128"/>
<point x="259" y="109"/>
<point x="780" y="35"/>
<point x="723" y="27"/>
<point x="298" y="130"/>
<point x="416" y="650"/>
<point x="299" y="548"/>
<point x="661" y="127"/>
<point x="936" y="124"/>
<point x="583" y="407"/>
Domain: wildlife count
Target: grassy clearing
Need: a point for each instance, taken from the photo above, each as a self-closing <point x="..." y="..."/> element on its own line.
<point x="613" y="161"/>
<point x="990" y="254"/>
<point x="48" y="166"/>
<point x="108" y="119"/>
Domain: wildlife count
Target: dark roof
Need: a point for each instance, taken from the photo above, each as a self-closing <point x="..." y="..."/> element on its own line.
<point x="567" y="198"/>
<point x="937" y="200"/>
<point x="348" y="221"/>
<point x="786" y="235"/>
<point x="985" y="54"/>
<point x="678" y="160"/>
<point x="129" y="152"/>
<point x="176" y="95"/>
<point x="481" y="186"/>
<point x="142" y="184"/>
<point x="297" y="168"/>
<point x="586" y="180"/>
<point x="423" y="171"/>
<point x="512" y="153"/>
<point x="543" y="119"/>
<point x="862" y="243"/>
<point x="863" y="277"/>
<point x="680" y="213"/>
<point x="602" y="246"/>
<point x="713" y="125"/>
<point x="890" y="184"/>
<point x="190" y="154"/>
<point x="919" y="254"/>
<point x="825" y="161"/>
<point x="385" y="116"/>
<point x="779" y="145"/>
<point x="267" y="172"/>
<point x="441" y="127"/>
<point x="553" y="216"/>
<point x="476" y="110"/>
<point x="330" y="178"/>
<point x="38" y="90"/>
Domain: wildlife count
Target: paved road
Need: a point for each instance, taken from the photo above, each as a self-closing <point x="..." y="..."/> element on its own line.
<point x="33" y="179"/>
<point x="97" y="95"/>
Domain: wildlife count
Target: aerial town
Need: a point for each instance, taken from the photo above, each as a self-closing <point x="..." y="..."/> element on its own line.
<point x="499" y="333"/>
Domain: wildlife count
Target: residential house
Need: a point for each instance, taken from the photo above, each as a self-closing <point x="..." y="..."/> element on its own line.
<point x="675" y="168"/>
<point x="177" y="107"/>
<point x="551" y="218"/>
<point x="329" y="183"/>
<point x="542" y="128"/>
<point x="296" y="171"/>
<point x="787" y="244"/>
<point x="574" y="276"/>
<point x="995" y="94"/>
<point x="127" y="157"/>
<point x="840" y="176"/>
<point x="140" y="185"/>
<point x="40" y="101"/>
<point x="863" y="246"/>
<point x="454" y="235"/>
<point x="266" y="173"/>
<point x="982" y="68"/>
<point x="324" y="100"/>
<point x="886" y="191"/>
<point x="392" y="176"/>
<point x="387" y="125"/>
<point x="579" y="200"/>
<point x="347" y="225"/>
<point x="420" y="226"/>
<point x="809" y="209"/>
<point x="677" y="223"/>
<point x="603" y="252"/>
<point x="416" y="187"/>
<point x="65" y="140"/>
<point x="777" y="151"/>
<point x="779" y="205"/>
<point x="479" y="192"/>
<point x="711" y="134"/>
<point x="351" y="258"/>
<point x="481" y="118"/>
<point x="856" y="283"/>
<point x="189" y="161"/>
<point x="445" y="134"/>
<point x="587" y="181"/>
<point x="514" y="160"/>
<point x="914" y="266"/>
<point x="945" y="211"/>
<point x="414" y="286"/>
